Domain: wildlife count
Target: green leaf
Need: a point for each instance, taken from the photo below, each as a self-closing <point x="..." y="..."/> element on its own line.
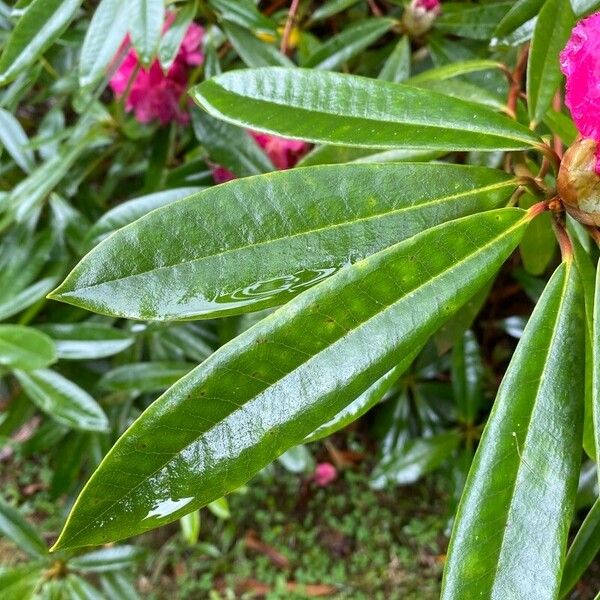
<point x="595" y="368"/>
<point x="520" y="12"/>
<point x="583" y="550"/>
<point x="144" y="377"/>
<point x="467" y="376"/>
<point x="63" y="400"/>
<point x="476" y="22"/>
<point x="454" y="69"/>
<point x="107" y="559"/>
<point x="538" y="245"/>
<point x="325" y="107"/>
<point x="551" y="33"/>
<point x="190" y="527"/>
<point x="367" y="400"/>
<point x="14" y="526"/>
<point x="104" y="36"/>
<point x="40" y="25"/>
<point x="85" y="341"/>
<point x="229" y="146"/>
<point x="330" y="8"/>
<point x="145" y="26"/>
<point x="254" y="52"/>
<point x="25" y="348"/>
<point x="297" y="459"/>
<point x="244" y="13"/>
<point x="172" y="38"/>
<point x="20" y="583"/>
<point x="265" y="391"/>
<point x="397" y="66"/>
<point x="257" y="242"/>
<point x="413" y="460"/>
<point x="511" y="529"/>
<point x="339" y="49"/>
<point x="15" y="140"/>
<point x="127" y="212"/>
<point x="118" y="587"/>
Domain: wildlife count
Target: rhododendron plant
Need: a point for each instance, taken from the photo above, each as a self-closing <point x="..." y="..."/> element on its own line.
<point x="406" y="264"/>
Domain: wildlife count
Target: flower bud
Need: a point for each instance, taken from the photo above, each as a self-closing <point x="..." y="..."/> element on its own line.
<point x="578" y="182"/>
<point x="419" y="16"/>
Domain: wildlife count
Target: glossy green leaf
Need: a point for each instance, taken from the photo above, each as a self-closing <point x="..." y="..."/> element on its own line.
<point x="107" y="559"/>
<point x="15" y="140"/>
<point x="254" y="52"/>
<point x="367" y="400"/>
<point x="583" y="550"/>
<point x="14" y="526"/>
<point x="415" y="459"/>
<point x="338" y="109"/>
<point x="552" y="30"/>
<point x="519" y="13"/>
<point x="84" y="341"/>
<point x="144" y="377"/>
<point x="257" y="242"/>
<point x="37" y="29"/>
<point x="455" y="69"/>
<point x="297" y="460"/>
<point x="265" y="391"/>
<point x="339" y="49"/>
<point x="131" y="210"/>
<point x="397" y="66"/>
<point x="511" y="529"/>
<point x="334" y="155"/>
<point x="63" y="400"/>
<point x="220" y="508"/>
<point x="474" y="21"/>
<point x="25" y="348"/>
<point x="118" y="587"/>
<point x="103" y="38"/>
<point x="172" y="38"/>
<point x="146" y="20"/>
<point x="595" y="368"/>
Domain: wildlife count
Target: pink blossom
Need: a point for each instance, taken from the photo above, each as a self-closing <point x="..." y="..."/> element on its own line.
<point x="428" y="5"/>
<point x="580" y="62"/>
<point x="151" y="93"/>
<point x="284" y="154"/>
<point x="324" y="474"/>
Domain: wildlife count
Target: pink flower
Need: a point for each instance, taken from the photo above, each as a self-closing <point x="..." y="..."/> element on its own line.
<point x="580" y="62"/>
<point x="284" y="154"/>
<point x="324" y="474"/>
<point x="428" y="5"/>
<point x="155" y="95"/>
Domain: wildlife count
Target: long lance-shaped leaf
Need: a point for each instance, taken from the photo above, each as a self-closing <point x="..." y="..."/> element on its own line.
<point x="266" y="390"/>
<point x="348" y="110"/>
<point x="583" y="550"/>
<point x="257" y="242"/>
<point x="512" y="524"/>
<point x="595" y="368"/>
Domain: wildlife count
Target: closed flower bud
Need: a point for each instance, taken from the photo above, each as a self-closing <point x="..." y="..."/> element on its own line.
<point x="579" y="182"/>
<point x="419" y="16"/>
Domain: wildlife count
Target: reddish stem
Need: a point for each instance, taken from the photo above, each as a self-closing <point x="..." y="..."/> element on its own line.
<point x="291" y="18"/>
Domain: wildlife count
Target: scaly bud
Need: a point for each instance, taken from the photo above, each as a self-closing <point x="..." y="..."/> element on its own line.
<point x="578" y="182"/>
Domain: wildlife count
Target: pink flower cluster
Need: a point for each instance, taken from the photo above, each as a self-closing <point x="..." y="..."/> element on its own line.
<point x="284" y="154"/>
<point x="580" y="62"/>
<point x="152" y="94"/>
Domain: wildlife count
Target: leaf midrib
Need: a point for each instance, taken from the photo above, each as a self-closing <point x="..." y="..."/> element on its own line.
<point x="215" y="357"/>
